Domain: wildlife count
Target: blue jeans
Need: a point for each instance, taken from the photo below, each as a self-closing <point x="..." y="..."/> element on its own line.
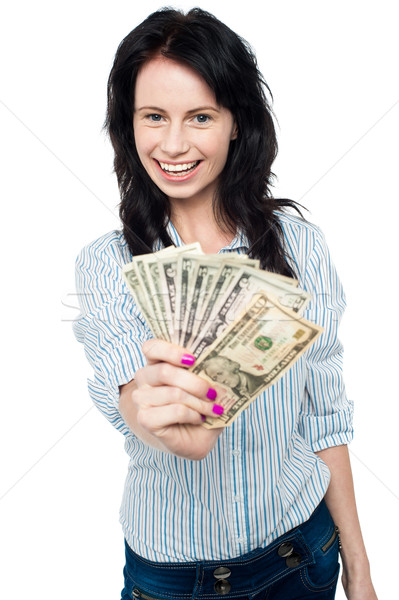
<point x="300" y="565"/>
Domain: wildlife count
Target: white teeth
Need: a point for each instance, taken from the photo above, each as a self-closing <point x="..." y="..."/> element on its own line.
<point x="178" y="168"/>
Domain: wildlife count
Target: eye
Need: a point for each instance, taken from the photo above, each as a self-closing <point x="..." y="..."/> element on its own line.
<point x="154" y="117"/>
<point x="202" y="119"/>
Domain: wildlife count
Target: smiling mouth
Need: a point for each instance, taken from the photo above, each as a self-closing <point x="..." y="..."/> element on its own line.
<point x="178" y="170"/>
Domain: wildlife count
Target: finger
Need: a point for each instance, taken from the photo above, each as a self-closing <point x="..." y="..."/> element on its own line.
<point x="153" y="419"/>
<point x="156" y="350"/>
<point x="162" y="373"/>
<point x="163" y="396"/>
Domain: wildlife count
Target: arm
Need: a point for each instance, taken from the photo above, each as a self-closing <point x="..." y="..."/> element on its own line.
<point x="326" y="416"/>
<point x="340" y="500"/>
<point x="110" y="327"/>
<point x="141" y="389"/>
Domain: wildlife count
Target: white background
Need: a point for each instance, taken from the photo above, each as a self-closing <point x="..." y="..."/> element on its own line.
<point x="332" y="67"/>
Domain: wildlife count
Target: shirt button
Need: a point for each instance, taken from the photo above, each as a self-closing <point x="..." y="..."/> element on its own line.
<point x="241" y="540"/>
<point x="236" y="452"/>
<point x="237" y="498"/>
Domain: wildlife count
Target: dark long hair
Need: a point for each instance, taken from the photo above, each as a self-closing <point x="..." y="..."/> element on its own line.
<point x="228" y="65"/>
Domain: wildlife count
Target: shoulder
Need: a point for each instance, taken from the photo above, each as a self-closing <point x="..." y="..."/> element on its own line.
<point x="98" y="273"/>
<point x="301" y="239"/>
<point x="295" y="226"/>
<point x="108" y="248"/>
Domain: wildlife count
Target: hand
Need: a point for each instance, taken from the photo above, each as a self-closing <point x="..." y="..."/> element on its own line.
<point x="358" y="588"/>
<point x="171" y="402"/>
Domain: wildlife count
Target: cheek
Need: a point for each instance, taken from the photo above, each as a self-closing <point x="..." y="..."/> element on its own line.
<point x="221" y="149"/>
<point x="213" y="144"/>
<point x="145" y="142"/>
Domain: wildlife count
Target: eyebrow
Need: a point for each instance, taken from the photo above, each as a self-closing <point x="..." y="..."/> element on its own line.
<point x="193" y="110"/>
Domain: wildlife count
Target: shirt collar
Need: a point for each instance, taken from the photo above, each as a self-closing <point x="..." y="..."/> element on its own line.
<point x="240" y="241"/>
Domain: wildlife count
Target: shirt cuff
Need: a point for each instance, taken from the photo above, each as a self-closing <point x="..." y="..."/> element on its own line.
<point x="325" y="431"/>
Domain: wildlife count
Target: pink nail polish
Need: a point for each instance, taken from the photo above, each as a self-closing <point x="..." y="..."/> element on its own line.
<point x="211" y="394"/>
<point x="203" y="418"/>
<point x="218" y="409"/>
<point x="188" y="359"/>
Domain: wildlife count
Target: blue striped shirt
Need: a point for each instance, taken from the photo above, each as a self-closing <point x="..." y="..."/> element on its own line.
<point x="263" y="477"/>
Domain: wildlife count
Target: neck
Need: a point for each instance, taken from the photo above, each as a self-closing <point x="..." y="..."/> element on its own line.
<point x="198" y="225"/>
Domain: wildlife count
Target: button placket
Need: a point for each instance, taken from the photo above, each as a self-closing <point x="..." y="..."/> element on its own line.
<point x="227" y="483"/>
<point x="236" y="478"/>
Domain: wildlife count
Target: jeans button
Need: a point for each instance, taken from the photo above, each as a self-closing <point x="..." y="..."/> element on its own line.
<point x="293" y="560"/>
<point x="222" y="587"/>
<point x="286" y="549"/>
<point x="221" y="573"/>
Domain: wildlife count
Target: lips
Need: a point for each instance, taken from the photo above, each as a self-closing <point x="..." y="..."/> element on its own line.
<point x="180" y="169"/>
<point x="177" y="171"/>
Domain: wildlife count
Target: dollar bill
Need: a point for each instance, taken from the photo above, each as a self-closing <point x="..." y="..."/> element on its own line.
<point x="185" y="271"/>
<point x="253" y="353"/>
<point x="201" y="277"/>
<point x="206" y="269"/>
<point x="133" y="283"/>
<point x="287" y="280"/>
<point x="152" y="280"/>
<point x="162" y="269"/>
<point x="242" y="323"/>
<point x="239" y="293"/>
<point x="142" y="268"/>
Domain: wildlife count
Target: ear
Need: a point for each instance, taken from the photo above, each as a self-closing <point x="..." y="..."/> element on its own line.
<point x="234" y="133"/>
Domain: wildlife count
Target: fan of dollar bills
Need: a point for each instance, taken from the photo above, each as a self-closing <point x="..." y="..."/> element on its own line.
<point x="242" y="323"/>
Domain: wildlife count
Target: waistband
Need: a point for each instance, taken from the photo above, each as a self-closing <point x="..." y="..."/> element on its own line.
<point x="248" y="574"/>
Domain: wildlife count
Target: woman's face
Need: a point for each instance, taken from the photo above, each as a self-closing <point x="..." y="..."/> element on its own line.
<point x="182" y="135"/>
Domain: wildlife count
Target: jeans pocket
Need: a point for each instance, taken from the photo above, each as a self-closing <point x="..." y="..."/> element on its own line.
<point x="132" y="592"/>
<point x="323" y="574"/>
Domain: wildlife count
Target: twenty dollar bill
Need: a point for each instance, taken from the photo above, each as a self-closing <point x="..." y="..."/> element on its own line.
<point x="253" y="353"/>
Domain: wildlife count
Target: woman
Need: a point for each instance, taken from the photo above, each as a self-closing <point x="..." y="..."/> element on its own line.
<point x="250" y="511"/>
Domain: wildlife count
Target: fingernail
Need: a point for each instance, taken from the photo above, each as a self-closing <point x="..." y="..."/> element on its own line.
<point x="211" y="394"/>
<point x="203" y="417"/>
<point x="188" y="359"/>
<point x="218" y="409"/>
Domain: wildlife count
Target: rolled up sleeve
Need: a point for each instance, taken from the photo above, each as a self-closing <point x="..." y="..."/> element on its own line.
<point x="326" y="418"/>
<point x="110" y="326"/>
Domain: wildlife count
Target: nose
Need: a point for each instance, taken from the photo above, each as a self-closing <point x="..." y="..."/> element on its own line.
<point x="174" y="141"/>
